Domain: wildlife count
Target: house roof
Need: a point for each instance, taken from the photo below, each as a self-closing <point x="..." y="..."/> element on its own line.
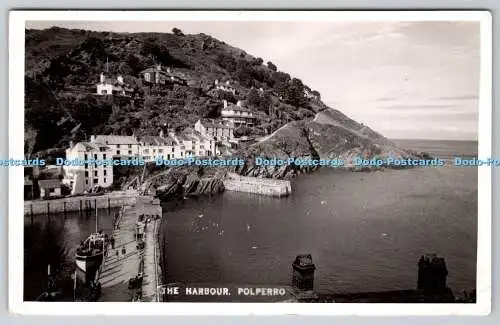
<point x="190" y="134"/>
<point x="116" y="139"/>
<point x="89" y="146"/>
<point x="49" y="183"/>
<point x="211" y="123"/>
<point x="233" y="107"/>
<point x="157" y="141"/>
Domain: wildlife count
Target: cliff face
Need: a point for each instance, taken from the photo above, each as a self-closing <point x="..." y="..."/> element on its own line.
<point x="330" y="135"/>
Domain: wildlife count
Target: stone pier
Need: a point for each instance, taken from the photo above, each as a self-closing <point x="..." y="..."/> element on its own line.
<point x="137" y="223"/>
<point x="264" y="186"/>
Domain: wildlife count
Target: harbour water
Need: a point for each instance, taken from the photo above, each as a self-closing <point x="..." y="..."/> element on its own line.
<point x="365" y="231"/>
<point x="53" y="240"/>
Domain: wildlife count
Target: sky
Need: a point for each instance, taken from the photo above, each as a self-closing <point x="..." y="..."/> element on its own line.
<point x="406" y="80"/>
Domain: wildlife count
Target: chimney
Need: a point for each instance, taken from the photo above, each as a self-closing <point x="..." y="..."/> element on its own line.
<point x="225" y="103"/>
<point x="92" y="138"/>
<point x="71" y="144"/>
<point x="238" y="103"/>
<point x="432" y="273"/>
<point x="303" y="273"/>
<point x="102" y="77"/>
<point x="119" y="79"/>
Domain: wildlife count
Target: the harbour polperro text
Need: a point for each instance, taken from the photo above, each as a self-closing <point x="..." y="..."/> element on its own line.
<point x="261" y="291"/>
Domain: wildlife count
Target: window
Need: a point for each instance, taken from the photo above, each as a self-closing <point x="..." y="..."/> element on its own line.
<point x="202" y="146"/>
<point x="96" y="180"/>
<point x="105" y="180"/>
<point x="86" y="166"/>
<point x="86" y="157"/>
<point x="52" y="190"/>
<point x="129" y="146"/>
<point x="95" y="156"/>
<point x="172" y="149"/>
<point x="87" y="182"/>
<point x="104" y="156"/>
<point x="130" y="152"/>
<point x="86" y="173"/>
<point x="146" y="150"/>
<point x="117" y="146"/>
<point x="104" y="91"/>
<point x="160" y="150"/>
<point x="95" y="173"/>
<point x="154" y="150"/>
<point x="117" y="152"/>
<point x="104" y="172"/>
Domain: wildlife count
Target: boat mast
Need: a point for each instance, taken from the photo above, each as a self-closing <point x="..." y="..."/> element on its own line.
<point x="96" y="216"/>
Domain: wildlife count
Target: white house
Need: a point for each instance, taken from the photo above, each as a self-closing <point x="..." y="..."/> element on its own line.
<point x="237" y="114"/>
<point x="225" y="86"/>
<point x="81" y="177"/>
<point x="215" y="129"/>
<point x="158" y="146"/>
<point x="110" y="86"/>
<point x="195" y="144"/>
<point x="122" y="146"/>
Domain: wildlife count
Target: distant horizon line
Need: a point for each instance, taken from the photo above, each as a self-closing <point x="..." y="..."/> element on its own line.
<point x="428" y="139"/>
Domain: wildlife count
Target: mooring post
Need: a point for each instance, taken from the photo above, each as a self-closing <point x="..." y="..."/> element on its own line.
<point x="31" y="209"/>
<point x="109" y="203"/>
<point x="48" y="208"/>
<point x="64" y="207"/>
<point x="80" y="205"/>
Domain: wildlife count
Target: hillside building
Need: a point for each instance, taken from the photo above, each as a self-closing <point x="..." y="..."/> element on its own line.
<point x="158" y="146"/>
<point x="225" y="86"/>
<point x="156" y="75"/>
<point x="195" y="144"/>
<point x="82" y="177"/>
<point x="49" y="188"/>
<point x="111" y="86"/>
<point x="237" y="115"/>
<point x="215" y="129"/>
<point x="122" y="146"/>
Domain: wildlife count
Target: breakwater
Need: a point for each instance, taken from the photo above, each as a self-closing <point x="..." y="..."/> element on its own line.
<point x="264" y="186"/>
<point x="79" y="203"/>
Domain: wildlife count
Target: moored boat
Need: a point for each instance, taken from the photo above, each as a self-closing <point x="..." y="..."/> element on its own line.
<point x="90" y="253"/>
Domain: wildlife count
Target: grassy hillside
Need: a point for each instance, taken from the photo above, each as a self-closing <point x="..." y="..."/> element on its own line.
<point x="63" y="68"/>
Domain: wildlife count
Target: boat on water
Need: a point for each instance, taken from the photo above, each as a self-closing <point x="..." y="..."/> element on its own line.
<point x="90" y="253"/>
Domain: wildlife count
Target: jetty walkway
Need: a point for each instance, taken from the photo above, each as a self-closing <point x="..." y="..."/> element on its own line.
<point x="137" y="223"/>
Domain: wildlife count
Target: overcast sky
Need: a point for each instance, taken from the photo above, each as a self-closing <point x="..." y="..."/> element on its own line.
<point x="403" y="79"/>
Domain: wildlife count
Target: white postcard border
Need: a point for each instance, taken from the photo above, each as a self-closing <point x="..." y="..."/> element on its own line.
<point x="16" y="150"/>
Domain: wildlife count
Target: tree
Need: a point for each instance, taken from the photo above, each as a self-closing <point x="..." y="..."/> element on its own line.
<point x="257" y="61"/>
<point x="254" y="97"/>
<point x="271" y="66"/>
<point x="177" y="31"/>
